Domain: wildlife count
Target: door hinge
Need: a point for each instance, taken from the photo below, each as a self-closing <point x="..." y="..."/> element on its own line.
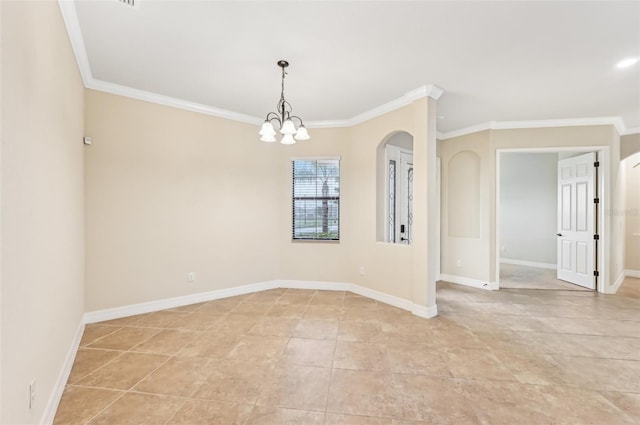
<point x="596" y="200"/>
<point x="596" y="237"/>
<point x="596" y="164"/>
<point x="596" y="273"/>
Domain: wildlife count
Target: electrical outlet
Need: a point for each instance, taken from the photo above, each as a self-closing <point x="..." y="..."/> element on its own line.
<point x="191" y="276"/>
<point x="32" y="393"/>
<point x="361" y="270"/>
<point x="459" y="262"/>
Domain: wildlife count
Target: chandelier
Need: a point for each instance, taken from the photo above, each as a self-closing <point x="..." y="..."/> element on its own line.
<point x="284" y="118"/>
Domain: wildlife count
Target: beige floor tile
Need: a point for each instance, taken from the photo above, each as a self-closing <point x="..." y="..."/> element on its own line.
<point x="357" y="355"/>
<point x="287" y="310"/>
<point x="125" y="338"/>
<point x="359" y="314"/>
<point x="417" y="358"/>
<point x="264" y="297"/>
<point x="328" y="298"/>
<point x="317" y="329"/>
<point x="204" y="412"/>
<point x="363" y="393"/>
<point x="361" y="331"/>
<point x="168" y="341"/>
<point x="338" y="419"/>
<point x="89" y="359"/>
<point x="239" y="323"/>
<point x="599" y="374"/>
<point x="219" y="306"/>
<point x="198" y="321"/>
<point x="139" y="409"/>
<point x="127" y="320"/>
<point x="295" y="298"/>
<point x="275" y="326"/>
<point x="210" y="344"/>
<point x="296" y="387"/>
<point x="180" y="376"/>
<point x="434" y="400"/>
<point x="309" y="352"/>
<point x="95" y="331"/>
<point x="124" y="372"/>
<point x="277" y="416"/>
<point x="79" y="404"/>
<point x="322" y="312"/>
<point x="476" y="364"/>
<point x="252" y="308"/>
<point x="357" y="301"/>
<point x="627" y="402"/>
<point x="251" y="347"/>
<point x="235" y="381"/>
<point x="160" y="319"/>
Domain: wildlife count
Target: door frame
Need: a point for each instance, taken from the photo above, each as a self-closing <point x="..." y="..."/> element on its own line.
<point x="603" y="193"/>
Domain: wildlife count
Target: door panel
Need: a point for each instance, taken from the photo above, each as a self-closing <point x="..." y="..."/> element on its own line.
<point x="576" y="220"/>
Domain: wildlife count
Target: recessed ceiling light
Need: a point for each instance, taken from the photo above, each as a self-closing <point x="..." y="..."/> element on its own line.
<point x="625" y="63"/>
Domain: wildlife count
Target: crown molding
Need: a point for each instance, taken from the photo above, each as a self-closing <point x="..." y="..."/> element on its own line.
<point x="617" y="122"/>
<point x="628" y="131"/>
<point x="431" y="91"/>
<point x="70" y="18"/>
<point x="159" y="99"/>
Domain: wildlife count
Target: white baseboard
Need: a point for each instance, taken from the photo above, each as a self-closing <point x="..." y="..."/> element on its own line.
<point x="550" y="266"/>
<point x="466" y="281"/>
<point x="632" y="273"/>
<point x="56" y="395"/>
<point x="616" y="285"/>
<point x="151" y="306"/>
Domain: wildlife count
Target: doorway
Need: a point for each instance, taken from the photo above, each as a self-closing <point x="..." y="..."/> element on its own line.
<point x="546" y="219"/>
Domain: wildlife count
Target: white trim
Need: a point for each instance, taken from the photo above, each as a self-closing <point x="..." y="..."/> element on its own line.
<point x="617" y="122"/>
<point x="148" y="307"/>
<point x="632" y="273"/>
<point x="159" y="99"/>
<point x="70" y="18"/>
<point x="316" y="158"/>
<point x="616" y="285"/>
<point x="58" y="388"/>
<point x="629" y="131"/>
<point x="431" y="91"/>
<point x="151" y="306"/>
<point x="549" y="266"/>
<point x="467" y="281"/>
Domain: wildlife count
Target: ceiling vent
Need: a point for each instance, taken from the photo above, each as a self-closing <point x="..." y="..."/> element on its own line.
<point x="130" y="3"/>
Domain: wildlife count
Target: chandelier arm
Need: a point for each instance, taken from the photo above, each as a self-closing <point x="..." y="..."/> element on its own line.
<point x="274" y="116"/>
<point x="296" y="117"/>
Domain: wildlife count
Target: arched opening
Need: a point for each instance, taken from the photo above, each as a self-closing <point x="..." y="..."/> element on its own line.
<point x="394" y="184"/>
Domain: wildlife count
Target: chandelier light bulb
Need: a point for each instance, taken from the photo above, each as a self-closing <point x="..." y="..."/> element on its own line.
<point x="268" y="138"/>
<point x="302" y="133"/>
<point x="287" y="139"/>
<point x="288" y="128"/>
<point x="267" y="129"/>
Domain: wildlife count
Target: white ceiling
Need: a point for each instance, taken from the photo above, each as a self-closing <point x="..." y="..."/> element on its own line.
<point x="495" y="61"/>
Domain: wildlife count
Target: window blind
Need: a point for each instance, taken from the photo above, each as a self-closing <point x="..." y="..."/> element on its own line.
<point x="316" y="199"/>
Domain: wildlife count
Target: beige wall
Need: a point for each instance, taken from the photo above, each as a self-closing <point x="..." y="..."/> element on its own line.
<point x="170" y="192"/>
<point x="629" y="145"/>
<point x="472" y="249"/>
<point x="42" y="204"/>
<point x="486" y="144"/>
<point x="632" y="212"/>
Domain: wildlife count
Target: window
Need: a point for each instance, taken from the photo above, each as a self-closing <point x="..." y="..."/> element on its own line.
<point x="316" y="199"/>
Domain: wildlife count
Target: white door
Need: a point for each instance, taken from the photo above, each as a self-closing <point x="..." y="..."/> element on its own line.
<point x="576" y="220"/>
<point x="405" y="219"/>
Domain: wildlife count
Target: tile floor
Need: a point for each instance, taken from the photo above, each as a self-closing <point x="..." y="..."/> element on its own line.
<point x="335" y="358"/>
<point x="522" y="277"/>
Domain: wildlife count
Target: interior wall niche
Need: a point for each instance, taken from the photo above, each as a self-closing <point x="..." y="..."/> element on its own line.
<point x="463" y="181"/>
<point x="394" y="189"/>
